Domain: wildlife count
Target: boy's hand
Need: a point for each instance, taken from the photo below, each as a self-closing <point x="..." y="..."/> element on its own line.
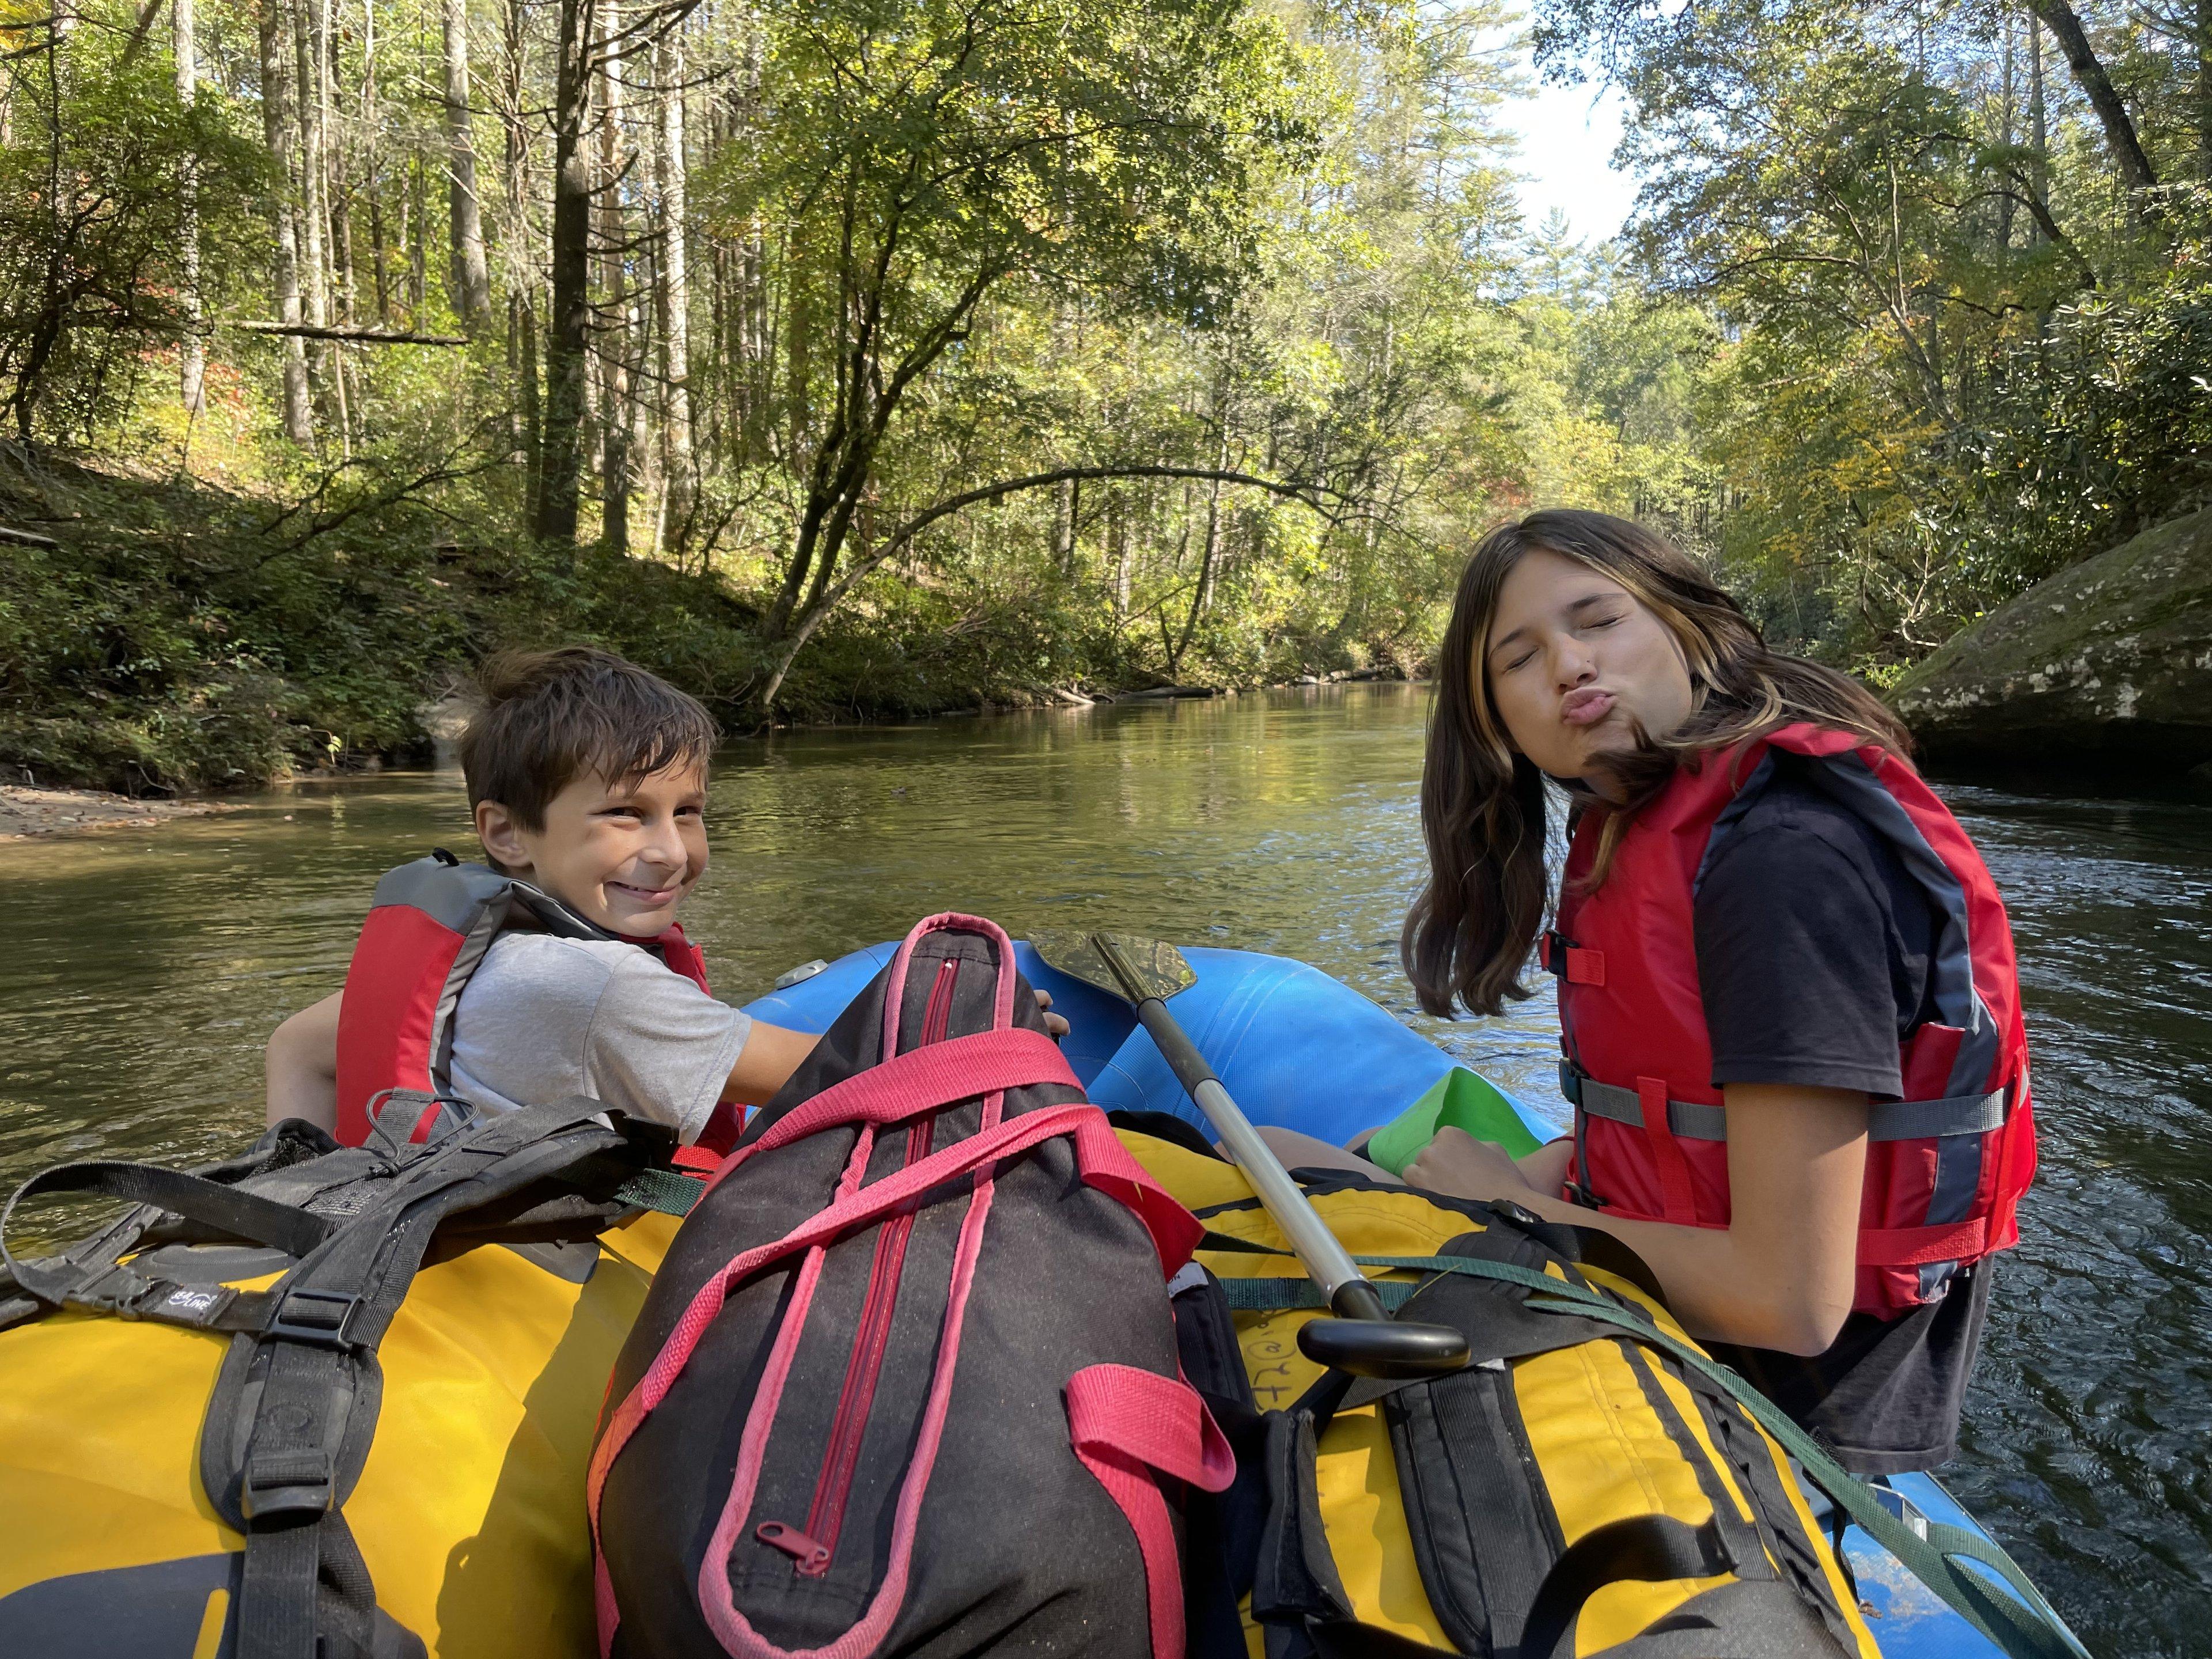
<point x="1054" y="1026"/>
<point x="772" y="1054"/>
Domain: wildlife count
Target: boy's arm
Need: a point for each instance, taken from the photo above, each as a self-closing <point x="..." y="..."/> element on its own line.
<point x="770" y="1055"/>
<point x="301" y="1066"/>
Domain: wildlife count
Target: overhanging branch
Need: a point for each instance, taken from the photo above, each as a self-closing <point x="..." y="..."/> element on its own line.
<point x="354" y="336"/>
<point x="1307" y="494"/>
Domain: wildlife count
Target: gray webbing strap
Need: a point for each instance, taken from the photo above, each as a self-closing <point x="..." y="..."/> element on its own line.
<point x="1690" y="1120"/>
<point x="1923" y="1120"/>
<point x="1889" y="1120"/>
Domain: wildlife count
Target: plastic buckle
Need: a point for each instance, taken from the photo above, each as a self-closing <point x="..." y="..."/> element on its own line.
<point x="299" y="1482"/>
<point x="1571" y="1083"/>
<point x="317" y="1317"/>
<point x="1551" y="952"/>
<point x="1902" y="1507"/>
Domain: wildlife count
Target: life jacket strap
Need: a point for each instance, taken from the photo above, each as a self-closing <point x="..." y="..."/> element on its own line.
<point x="1916" y="1246"/>
<point x="1888" y="1120"/>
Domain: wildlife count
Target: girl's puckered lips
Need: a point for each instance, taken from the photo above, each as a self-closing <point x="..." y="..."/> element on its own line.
<point x="1586" y="705"/>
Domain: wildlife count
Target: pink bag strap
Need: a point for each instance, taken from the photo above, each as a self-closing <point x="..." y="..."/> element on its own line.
<point x="1126" y="1424"/>
<point x="1105" y="1165"/>
<point x="918" y="1081"/>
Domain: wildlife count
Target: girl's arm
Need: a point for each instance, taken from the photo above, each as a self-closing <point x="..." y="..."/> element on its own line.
<point x="1780" y="1275"/>
<point x="300" y="1067"/>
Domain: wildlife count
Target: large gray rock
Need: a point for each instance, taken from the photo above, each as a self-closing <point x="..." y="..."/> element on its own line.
<point x="2105" y="665"/>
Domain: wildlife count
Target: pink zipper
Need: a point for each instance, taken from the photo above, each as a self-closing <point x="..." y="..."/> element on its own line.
<point x="833" y="1488"/>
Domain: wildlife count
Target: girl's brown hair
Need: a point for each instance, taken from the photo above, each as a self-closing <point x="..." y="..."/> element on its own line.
<point x="1467" y="937"/>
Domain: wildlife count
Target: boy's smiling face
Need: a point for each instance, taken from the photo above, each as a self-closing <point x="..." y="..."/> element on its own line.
<point x="623" y="854"/>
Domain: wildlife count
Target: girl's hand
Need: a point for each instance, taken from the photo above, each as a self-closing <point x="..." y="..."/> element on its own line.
<point x="1458" y="1165"/>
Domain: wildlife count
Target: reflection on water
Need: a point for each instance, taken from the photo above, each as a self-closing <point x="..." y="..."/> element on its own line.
<point x="142" y="971"/>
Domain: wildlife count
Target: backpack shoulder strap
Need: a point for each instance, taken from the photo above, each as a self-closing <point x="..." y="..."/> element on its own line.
<point x="296" y="1402"/>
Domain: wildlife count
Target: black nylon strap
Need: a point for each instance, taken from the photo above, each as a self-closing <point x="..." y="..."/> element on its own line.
<point x="239" y="1214"/>
<point x="310" y="1424"/>
<point x="276" y="1591"/>
<point x="1643" y="1547"/>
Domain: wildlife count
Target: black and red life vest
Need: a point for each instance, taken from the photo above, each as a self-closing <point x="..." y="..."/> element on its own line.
<point x="429" y="924"/>
<point x="1945" y="1166"/>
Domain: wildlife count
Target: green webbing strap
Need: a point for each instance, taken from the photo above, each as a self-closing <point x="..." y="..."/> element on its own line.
<point x="1276" y="1295"/>
<point x="662" y="1190"/>
<point x="1932" y="1557"/>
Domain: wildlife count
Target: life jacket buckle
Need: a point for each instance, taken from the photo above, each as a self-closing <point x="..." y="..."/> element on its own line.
<point x="1571" y="1083"/>
<point x="1551" y="952"/>
<point x="317" y="1317"/>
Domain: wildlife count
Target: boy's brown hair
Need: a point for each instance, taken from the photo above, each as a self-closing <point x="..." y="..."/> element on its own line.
<point x="544" y="718"/>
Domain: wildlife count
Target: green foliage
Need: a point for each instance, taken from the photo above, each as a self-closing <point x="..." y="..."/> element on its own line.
<point x="2098" y="429"/>
<point x="1958" y="345"/>
<point x="91" y="216"/>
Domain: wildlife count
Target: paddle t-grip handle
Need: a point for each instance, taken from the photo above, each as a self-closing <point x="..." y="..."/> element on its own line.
<point x="1362" y="1339"/>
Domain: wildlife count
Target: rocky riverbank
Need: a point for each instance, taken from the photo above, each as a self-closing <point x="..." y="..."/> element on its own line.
<point x="2105" y="666"/>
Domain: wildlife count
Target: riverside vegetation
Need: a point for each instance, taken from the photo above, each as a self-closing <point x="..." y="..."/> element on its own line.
<point x="862" y="358"/>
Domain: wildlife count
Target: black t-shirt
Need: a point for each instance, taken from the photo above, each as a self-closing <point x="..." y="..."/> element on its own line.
<point x="1812" y="960"/>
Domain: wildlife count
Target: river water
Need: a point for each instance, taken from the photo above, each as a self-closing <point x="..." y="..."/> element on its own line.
<point x="142" y="971"/>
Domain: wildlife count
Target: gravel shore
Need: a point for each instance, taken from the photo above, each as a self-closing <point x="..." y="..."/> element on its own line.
<point x="25" y="812"/>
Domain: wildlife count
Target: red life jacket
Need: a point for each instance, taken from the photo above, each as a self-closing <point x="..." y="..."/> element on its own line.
<point x="429" y="924"/>
<point x="1945" y="1166"/>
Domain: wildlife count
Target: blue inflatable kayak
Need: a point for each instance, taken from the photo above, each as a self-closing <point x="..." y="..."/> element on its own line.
<point x="1300" y="1050"/>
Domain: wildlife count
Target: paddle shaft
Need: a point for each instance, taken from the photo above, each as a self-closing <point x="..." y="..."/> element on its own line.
<point x="1317" y="1249"/>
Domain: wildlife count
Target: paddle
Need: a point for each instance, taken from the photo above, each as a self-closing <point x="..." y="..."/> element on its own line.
<point x="1362" y="1339"/>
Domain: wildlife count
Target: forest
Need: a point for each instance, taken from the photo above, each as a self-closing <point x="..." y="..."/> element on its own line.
<point x="862" y="359"/>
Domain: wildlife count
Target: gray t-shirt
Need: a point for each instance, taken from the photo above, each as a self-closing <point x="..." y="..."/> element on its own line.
<point x="542" y="1019"/>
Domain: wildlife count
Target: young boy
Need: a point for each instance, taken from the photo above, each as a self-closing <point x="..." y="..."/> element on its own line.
<point x="588" y="780"/>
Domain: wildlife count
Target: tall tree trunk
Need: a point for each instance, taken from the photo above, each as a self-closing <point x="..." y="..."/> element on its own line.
<point x="2202" y="41"/>
<point x="311" y="19"/>
<point x="1066" y="500"/>
<point x="2009" y="129"/>
<point x="191" y="352"/>
<point x="418" y="259"/>
<point x="472" y="276"/>
<point x="2135" y="168"/>
<point x="615" y="329"/>
<point x="525" y="330"/>
<point x="1118" y="541"/>
<point x="514" y="153"/>
<point x="278" y="122"/>
<point x="2038" y="116"/>
<point x="311" y="25"/>
<point x="372" y="159"/>
<point x="568" y="340"/>
<point x="674" y="293"/>
<point x="1202" y="593"/>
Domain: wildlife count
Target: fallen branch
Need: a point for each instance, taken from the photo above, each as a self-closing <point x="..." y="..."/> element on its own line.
<point x="26" y="538"/>
<point x="353" y="336"/>
<point x="1306" y="494"/>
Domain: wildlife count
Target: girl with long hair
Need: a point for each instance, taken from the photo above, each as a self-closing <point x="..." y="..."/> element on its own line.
<point x="1789" y="1020"/>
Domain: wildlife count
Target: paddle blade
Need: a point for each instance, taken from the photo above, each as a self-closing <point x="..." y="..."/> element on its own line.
<point x="1160" y="968"/>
